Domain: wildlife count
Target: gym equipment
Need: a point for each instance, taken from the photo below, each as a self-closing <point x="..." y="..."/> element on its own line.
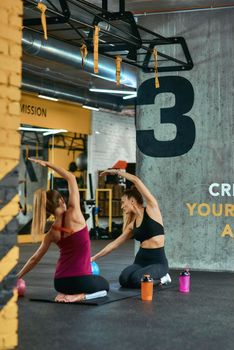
<point x="109" y="190"/>
<point x="120" y="164"/>
<point x="91" y="206"/>
<point x="95" y="268"/>
<point x="21" y="287"/>
<point x="72" y="167"/>
<point x="117" y="229"/>
<point x="81" y="161"/>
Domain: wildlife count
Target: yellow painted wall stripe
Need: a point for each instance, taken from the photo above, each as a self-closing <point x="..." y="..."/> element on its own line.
<point x="10" y="210"/>
<point x="9" y="323"/>
<point x="8" y="262"/>
<point x="7" y="167"/>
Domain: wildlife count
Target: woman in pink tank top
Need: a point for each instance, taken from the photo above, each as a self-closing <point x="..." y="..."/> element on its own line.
<point x="73" y="275"/>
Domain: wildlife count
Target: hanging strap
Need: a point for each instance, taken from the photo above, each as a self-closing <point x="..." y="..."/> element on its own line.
<point x="155" y="54"/>
<point x="95" y="49"/>
<point x="84" y="53"/>
<point x="42" y="7"/>
<point x="118" y="61"/>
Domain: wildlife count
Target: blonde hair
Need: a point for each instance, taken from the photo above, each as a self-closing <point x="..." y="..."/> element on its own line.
<point x="39" y="213"/>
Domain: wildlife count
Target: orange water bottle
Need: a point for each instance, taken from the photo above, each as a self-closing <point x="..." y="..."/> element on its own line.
<point x="147" y="287"/>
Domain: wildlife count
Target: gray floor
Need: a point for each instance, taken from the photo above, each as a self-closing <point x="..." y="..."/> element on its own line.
<point x="201" y="320"/>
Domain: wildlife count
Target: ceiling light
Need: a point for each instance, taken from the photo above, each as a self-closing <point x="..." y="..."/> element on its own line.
<point x="53" y="132"/>
<point x="108" y="91"/>
<point x="45" y="132"/>
<point x="48" y="97"/>
<point x="90" y="107"/>
<point x="24" y="128"/>
<point x="130" y="96"/>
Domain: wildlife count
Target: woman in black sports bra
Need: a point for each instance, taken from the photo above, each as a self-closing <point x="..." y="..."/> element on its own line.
<point x="145" y="225"/>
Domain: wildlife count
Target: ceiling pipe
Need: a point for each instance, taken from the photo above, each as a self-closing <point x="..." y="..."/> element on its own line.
<point x="35" y="84"/>
<point x="180" y="10"/>
<point x="58" y="51"/>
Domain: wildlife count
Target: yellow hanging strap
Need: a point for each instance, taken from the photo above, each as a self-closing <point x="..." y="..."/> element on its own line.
<point x="155" y="54"/>
<point x="118" y="61"/>
<point x="43" y="8"/>
<point x="84" y="53"/>
<point x="95" y="48"/>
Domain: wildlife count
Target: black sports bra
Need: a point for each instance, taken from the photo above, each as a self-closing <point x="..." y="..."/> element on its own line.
<point x="149" y="228"/>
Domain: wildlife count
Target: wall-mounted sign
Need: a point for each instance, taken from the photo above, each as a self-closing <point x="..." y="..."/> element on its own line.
<point x="49" y="114"/>
<point x="216" y="209"/>
<point x="33" y="110"/>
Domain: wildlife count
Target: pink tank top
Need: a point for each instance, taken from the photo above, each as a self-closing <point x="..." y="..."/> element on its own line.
<point x="74" y="257"/>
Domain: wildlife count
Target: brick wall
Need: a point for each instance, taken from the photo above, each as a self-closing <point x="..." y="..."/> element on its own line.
<point x="113" y="138"/>
<point x="10" y="94"/>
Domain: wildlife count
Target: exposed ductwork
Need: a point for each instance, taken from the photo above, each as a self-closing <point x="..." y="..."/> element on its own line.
<point x="34" y="83"/>
<point x="58" y="51"/>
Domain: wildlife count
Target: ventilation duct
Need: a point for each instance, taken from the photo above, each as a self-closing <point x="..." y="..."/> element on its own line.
<point x="58" y="51"/>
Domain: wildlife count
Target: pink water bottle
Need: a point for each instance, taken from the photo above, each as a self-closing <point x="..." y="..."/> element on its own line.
<point x="184" y="281"/>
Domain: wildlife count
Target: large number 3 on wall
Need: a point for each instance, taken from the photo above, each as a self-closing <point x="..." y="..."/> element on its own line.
<point x="185" y="128"/>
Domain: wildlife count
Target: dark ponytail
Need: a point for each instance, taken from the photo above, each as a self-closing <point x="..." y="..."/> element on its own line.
<point x="134" y="193"/>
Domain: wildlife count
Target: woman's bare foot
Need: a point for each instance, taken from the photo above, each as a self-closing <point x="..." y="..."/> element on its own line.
<point x="69" y="298"/>
<point x="74" y="298"/>
<point x="60" y="298"/>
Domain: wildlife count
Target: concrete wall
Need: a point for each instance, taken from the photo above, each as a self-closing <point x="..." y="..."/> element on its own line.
<point x="113" y="138"/>
<point x="10" y="94"/>
<point x="201" y="238"/>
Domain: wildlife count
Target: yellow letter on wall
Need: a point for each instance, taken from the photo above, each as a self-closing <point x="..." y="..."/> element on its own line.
<point x="227" y="231"/>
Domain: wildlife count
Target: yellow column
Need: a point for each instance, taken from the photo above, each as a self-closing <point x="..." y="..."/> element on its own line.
<point x="10" y="95"/>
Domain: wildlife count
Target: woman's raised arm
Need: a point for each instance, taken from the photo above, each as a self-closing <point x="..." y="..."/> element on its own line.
<point x="150" y="199"/>
<point x="74" y="195"/>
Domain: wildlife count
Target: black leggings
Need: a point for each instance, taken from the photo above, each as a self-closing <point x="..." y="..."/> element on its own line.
<point x="147" y="261"/>
<point x="81" y="284"/>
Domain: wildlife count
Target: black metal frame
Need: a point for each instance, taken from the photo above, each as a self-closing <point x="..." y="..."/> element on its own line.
<point x="60" y="18"/>
<point x="115" y="43"/>
<point x="31" y="138"/>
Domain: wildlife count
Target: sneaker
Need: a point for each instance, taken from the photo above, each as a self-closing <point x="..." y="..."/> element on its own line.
<point x="165" y="279"/>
